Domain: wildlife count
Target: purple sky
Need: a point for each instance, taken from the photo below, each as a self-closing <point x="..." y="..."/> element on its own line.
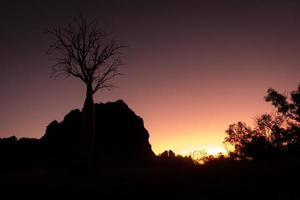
<point x="192" y="67"/>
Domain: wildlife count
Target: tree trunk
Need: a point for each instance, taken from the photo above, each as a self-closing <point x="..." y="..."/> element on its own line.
<point x="87" y="148"/>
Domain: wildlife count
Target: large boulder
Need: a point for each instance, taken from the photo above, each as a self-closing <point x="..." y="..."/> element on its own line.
<point x="120" y="134"/>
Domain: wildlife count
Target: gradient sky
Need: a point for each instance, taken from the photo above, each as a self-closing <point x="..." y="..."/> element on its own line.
<point x="193" y="67"/>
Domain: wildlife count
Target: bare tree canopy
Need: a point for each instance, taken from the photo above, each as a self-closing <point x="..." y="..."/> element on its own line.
<point x="84" y="51"/>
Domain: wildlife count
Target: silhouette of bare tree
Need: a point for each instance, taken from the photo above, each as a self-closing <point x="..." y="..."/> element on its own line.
<point x="84" y="51"/>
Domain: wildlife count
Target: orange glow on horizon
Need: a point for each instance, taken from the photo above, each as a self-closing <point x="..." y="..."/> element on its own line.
<point x="187" y="144"/>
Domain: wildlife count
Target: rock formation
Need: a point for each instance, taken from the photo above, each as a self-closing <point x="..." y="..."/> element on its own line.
<point x="120" y="134"/>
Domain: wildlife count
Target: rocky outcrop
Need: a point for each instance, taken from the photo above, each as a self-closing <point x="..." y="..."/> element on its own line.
<point x="120" y="134"/>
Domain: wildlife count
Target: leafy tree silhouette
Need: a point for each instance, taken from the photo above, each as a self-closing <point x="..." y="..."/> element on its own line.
<point x="273" y="134"/>
<point x="84" y="51"/>
<point x="289" y="108"/>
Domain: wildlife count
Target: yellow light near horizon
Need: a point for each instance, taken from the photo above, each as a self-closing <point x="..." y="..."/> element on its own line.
<point x="207" y="150"/>
<point x="214" y="151"/>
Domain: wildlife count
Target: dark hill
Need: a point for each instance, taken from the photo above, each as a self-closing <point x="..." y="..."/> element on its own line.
<point x="120" y="133"/>
<point x="120" y="138"/>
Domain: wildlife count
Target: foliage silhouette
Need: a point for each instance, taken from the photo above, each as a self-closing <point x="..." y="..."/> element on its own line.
<point x="170" y="159"/>
<point x="274" y="134"/>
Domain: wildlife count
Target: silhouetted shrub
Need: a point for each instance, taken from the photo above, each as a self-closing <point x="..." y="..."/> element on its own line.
<point x="169" y="159"/>
<point x="273" y="134"/>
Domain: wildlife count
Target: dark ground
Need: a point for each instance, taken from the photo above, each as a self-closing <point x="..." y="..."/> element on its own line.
<point x="223" y="180"/>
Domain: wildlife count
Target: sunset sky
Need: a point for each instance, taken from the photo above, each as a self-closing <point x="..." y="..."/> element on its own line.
<point x="193" y="67"/>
